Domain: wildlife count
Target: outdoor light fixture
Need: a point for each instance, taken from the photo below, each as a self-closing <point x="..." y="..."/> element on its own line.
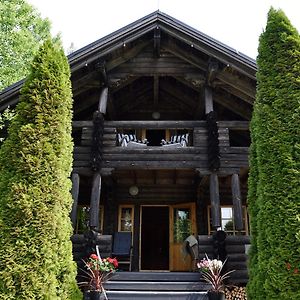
<point x="133" y="190"/>
<point x="155" y="115"/>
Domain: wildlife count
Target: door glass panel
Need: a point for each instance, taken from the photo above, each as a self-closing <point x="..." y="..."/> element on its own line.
<point x="182" y="224"/>
<point x="126" y="219"/>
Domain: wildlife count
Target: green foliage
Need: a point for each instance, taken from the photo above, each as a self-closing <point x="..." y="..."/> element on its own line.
<point x="22" y="30"/>
<point x="35" y="164"/>
<point x="5" y="118"/>
<point x="274" y="194"/>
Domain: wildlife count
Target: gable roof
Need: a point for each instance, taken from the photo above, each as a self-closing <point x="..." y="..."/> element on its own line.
<point x="91" y="53"/>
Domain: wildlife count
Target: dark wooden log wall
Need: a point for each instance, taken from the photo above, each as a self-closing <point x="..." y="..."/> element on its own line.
<point x="236" y="255"/>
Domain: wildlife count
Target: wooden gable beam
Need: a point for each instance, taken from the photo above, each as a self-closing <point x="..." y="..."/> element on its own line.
<point x="238" y="108"/>
<point x="126" y="55"/>
<point x="222" y="75"/>
<point x="178" y="93"/>
<point x="156" y="42"/>
<point x="115" y="84"/>
<point x="235" y="82"/>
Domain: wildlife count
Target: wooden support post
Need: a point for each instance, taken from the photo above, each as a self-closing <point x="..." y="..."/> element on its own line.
<point x="208" y="100"/>
<point x="237" y="202"/>
<point x="215" y="200"/>
<point x="95" y="202"/>
<point x="103" y="100"/>
<point x="75" y="192"/>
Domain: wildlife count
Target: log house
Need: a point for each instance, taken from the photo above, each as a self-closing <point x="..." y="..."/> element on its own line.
<point x="157" y="79"/>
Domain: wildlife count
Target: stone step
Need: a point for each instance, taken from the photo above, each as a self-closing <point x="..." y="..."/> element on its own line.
<point x="157" y="276"/>
<point x="156" y="286"/>
<point x="157" y="295"/>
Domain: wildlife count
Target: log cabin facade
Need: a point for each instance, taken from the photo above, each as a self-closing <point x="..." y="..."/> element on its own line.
<point x="161" y="142"/>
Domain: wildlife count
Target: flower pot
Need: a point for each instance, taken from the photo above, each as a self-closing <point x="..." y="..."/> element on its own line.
<point x="94" y="295"/>
<point x="215" y="295"/>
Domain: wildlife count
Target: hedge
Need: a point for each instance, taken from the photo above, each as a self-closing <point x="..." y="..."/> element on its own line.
<point x="35" y="164"/>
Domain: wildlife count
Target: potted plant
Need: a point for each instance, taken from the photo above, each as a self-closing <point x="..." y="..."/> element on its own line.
<point x="98" y="272"/>
<point x="211" y="272"/>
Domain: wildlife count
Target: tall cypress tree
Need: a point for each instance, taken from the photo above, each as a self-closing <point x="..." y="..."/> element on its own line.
<point x="35" y="201"/>
<point x="274" y="194"/>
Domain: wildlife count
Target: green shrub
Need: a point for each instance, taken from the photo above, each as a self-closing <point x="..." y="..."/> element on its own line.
<point x="35" y="164"/>
<point x="274" y="194"/>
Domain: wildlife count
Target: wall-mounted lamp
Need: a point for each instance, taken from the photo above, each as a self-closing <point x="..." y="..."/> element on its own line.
<point x="133" y="190"/>
<point x="156" y="115"/>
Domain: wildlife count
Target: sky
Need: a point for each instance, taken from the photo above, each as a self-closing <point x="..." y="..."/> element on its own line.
<point x="236" y="23"/>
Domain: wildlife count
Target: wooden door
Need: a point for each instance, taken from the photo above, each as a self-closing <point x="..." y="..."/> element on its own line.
<point x="182" y="224"/>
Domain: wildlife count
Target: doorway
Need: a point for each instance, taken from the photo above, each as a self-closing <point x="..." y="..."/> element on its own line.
<point x="155" y="238"/>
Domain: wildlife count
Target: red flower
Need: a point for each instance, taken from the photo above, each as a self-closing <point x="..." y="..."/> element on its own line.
<point x="115" y="262"/>
<point x="288" y="266"/>
<point x="94" y="256"/>
<point x="296" y="271"/>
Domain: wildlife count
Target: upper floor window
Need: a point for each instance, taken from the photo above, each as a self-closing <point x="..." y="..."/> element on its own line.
<point x="227" y="221"/>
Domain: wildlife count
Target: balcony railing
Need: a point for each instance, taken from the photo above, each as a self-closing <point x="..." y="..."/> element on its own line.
<point x="154" y="157"/>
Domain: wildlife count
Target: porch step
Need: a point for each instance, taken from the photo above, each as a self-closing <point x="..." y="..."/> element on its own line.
<point x="121" y="295"/>
<point x="156" y="276"/>
<point x="156" y="285"/>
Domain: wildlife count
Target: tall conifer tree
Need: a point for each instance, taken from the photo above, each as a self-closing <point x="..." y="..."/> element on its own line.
<point x="274" y="194"/>
<point x="35" y="201"/>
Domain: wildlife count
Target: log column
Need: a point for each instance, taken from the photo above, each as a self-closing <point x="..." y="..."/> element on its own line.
<point x="209" y="106"/>
<point x="215" y="200"/>
<point x="212" y="131"/>
<point x="75" y="192"/>
<point x="95" y="202"/>
<point x="237" y="202"/>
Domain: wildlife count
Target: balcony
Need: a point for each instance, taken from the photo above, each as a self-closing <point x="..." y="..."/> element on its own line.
<point x="158" y="157"/>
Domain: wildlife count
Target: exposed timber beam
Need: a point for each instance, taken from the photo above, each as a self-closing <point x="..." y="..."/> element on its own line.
<point x="117" y="84"/>
<point x="103" y="100"/>
<point x="85" y="101"/>
<point x="95" y="202"/>
<point x="156" y="50"/>
<point x="212" y="70"/>
<point x="178" y="93"/>
<point x="208" y="99"/>
<point x="237" y="202"/>
<point x="215" y="201"/>
<point x="235" y="82"/>
<point x="240" y="108"/>
<point x="126" y="55"/>
<point x="100" y="67"/>
<point x="226" y="77"/>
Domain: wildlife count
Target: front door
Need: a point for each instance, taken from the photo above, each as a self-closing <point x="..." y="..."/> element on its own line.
<point x="182" y="224"/>
<point x="155" y="238"/>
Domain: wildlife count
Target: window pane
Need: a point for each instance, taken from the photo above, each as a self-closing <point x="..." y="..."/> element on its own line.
<point x="126" y="219"/>
<point x="182" y="224"/>
<point x="226" y="213"/>
<point x="126" y="225"/>
<point x="227" y="225"/>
